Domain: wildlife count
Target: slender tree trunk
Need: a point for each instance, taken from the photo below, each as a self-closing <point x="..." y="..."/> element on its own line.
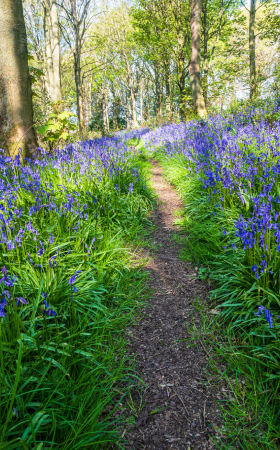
<point x="167" y="92"/>
<point x="105" y="109"/>
<point x="127" y="112"/>
<point x="132" y="93"/>
<point x="252" y="50"/>
<point x="55" y="39"/>
<point x="141" y="102"/>
<point x="181" y="76"/>
<point x="205" y="52"/>
<point x="133" y="108"/>
<point x="160" y="97"/>
<point x="89" y="101"/>
<point x="116" y="111"/>
<point x="195" y="80"/>
<point x="85" y="103"/>
<point x="79" y="89"/>
<point x="47" y="33"/>
<point x="157" y="85"/>
<point x="16" y="112"/>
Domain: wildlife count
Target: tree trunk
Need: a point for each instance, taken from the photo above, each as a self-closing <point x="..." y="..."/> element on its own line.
<point x="252" y="50"/>
<point x="57" y="97"/>
<point x="167" y="92"/>
<point x="157" y="85"/>
<point x="160" y="97"/>
<point x="85" y="103"/>
<point x="47" y="32"/>
<point x="127" y="111"/>
<point x="195" y="80"/>
<point x="79" y="90"/>
<point x="89" y="100"/>
<point x="133" y="109"/>
<point x="182" y="98"/>
<point x="105" y="109"/>
<point x="116" y="111"/>
<point x="205" y="52"/>
<point x="141" y="102"/>
<point x="16" y="111"/>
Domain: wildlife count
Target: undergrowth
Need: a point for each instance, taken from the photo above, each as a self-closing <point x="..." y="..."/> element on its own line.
<point x="69" y="286"/>
<point x="245" y="351"/>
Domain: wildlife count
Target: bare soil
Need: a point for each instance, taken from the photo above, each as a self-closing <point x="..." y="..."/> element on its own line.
<point x="178" y="408"/>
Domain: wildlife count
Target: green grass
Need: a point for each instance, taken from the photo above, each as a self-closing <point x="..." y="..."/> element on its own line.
<point x="63" y="379"/>
<point x="242" y="347"/>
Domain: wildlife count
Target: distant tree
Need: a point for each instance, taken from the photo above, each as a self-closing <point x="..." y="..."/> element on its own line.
<point x="77" y="20"/>
<point x="52" y="42"/>
<point x="194" y="69"/>
<point x="16" y="111"/>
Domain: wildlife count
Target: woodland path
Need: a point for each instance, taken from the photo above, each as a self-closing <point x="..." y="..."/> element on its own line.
<point x="173" y="372"/>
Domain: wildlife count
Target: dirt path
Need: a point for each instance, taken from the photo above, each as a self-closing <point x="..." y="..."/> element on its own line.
<point x="178" y="407"/>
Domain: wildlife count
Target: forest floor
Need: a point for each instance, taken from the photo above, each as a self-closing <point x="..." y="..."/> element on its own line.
<point x="178" y="410"/>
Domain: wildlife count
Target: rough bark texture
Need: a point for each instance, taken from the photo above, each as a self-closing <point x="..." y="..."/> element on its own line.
<point x="16" y="113"/>
<point x="195" y="79"/>
<point x="252" y="50"/>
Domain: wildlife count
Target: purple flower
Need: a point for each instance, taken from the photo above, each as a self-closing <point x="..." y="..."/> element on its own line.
<point x="267" y="315"/>
<point x="48" y="311"/>
<point x="21" y="300"/>
<point x="74" y="277"/>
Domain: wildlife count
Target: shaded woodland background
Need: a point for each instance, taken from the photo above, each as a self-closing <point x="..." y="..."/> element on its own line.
<point x="125" y="65"/>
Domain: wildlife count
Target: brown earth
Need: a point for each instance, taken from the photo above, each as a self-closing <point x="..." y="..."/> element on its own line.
<point x="178" y="408"/>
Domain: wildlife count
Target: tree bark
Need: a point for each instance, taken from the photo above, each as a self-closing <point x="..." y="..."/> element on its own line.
<point x="105" y="109"/>
<point x="141" y="102"/>
<point x="195" y="79"/>
<point x="79" y="89"/>
<point x="47" y="32"/>
<point x="116" y="111"/>
<point x="55" y="39"/>
<point x="133" y="107"/>
<point x="127" y="111"/>
<point x="181" y="76"/>
<point x="157" y="85"/>
<point x="252" y="50"/>
<point x="16" y="111"/>
<point x="167" y="92"/>
<point x="205" y="52"/>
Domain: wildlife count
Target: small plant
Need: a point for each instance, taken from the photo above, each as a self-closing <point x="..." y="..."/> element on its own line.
<point x="58" y="128"/>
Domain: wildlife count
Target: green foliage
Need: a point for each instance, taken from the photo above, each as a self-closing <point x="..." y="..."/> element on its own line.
<point x="246" y="344"/>
<point x="63" y="377"/>
<point x="58" y="128"/>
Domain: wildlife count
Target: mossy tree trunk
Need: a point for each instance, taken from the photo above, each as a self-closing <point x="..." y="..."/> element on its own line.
<point x="16" y="111"/>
